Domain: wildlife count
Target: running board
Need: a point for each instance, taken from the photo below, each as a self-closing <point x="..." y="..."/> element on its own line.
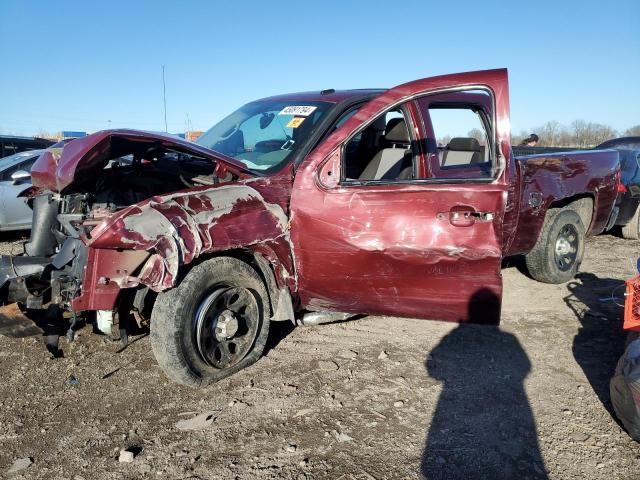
<point x="316" y="318"/>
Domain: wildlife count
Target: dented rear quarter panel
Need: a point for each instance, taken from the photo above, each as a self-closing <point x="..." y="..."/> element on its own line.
<point x="561" y="176"/>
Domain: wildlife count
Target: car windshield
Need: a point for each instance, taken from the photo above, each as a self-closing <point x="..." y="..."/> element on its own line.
<point x="263" y="134"/>
<point x="17" y="157"/>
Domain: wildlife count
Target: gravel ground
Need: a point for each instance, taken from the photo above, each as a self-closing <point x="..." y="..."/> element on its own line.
<point x="373" y="398"/>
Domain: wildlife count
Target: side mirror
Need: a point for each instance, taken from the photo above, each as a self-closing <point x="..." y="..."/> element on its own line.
<point x="20" y="176"/>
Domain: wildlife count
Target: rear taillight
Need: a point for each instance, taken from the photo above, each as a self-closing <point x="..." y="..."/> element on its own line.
<point x="620" y="188"/>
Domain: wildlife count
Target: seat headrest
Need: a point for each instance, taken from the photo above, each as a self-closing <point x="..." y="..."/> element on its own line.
<point x="397" y="131"/>
<point x="464" y="144"/>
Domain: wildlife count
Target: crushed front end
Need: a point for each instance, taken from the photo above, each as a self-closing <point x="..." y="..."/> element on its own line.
<point x="61" y="278"/>
<point x="83" y="261"/>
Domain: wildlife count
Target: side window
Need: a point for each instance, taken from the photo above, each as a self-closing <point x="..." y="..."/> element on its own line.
<point x="26" y="166"/>
<point x="383" y="151"/>
<point x="458" y="130"/>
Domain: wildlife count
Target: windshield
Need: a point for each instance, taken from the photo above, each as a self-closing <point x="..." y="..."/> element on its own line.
<point x="17" y="157"/>
<point x="263" y="134"/>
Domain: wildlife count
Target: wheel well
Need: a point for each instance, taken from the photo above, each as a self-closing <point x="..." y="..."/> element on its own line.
<point x="261" y="265"/>
<point x="581" y="204"/>
<point x="140" y="297"/>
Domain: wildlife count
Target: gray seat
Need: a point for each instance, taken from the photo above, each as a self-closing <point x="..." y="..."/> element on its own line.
<point x="394" y="162"/>
<point x="462" y="151"/>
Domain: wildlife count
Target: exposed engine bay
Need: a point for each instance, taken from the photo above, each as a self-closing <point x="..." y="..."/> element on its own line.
<point x="49" y="276"/>
<point x="135" y="177"/>
<point x="123" y="182"/>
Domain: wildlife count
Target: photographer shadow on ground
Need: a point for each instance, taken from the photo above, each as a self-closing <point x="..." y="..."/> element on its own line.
<point x="596" y="303"/>
<point x="483" y="425"/>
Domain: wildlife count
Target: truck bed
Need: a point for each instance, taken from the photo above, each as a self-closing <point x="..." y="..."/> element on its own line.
<point x="553" y="180"/>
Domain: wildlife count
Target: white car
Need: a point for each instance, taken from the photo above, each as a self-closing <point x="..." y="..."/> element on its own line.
<point x="15" y="177"/>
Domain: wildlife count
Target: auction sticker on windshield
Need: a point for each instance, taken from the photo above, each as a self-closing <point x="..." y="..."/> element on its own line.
<point x="295" y="122"/>
<point x="298" y="110"/>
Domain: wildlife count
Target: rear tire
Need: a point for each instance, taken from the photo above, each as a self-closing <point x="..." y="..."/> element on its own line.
<point x="557" y="254"/>
<point x="214" y="323"/>
<point x="631" y="231"/>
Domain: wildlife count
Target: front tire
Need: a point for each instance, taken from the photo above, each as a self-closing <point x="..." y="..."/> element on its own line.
<point x="557" y="254"/>
<point x="214" y="323"/>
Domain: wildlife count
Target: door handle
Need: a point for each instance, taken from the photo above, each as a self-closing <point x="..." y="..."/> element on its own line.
<point x="465" y="217"/>
<point x="482" y="216"/>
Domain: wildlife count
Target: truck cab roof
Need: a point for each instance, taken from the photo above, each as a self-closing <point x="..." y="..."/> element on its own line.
<point x="330" y="95"/>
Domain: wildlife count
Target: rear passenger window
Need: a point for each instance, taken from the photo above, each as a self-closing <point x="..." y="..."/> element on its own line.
<point x="383" y="151"/>
<point x="457" y="126"/>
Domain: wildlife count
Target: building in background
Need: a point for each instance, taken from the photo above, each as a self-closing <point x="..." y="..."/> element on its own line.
<point x="63" y="135"/>
<point x="193" y="135"/>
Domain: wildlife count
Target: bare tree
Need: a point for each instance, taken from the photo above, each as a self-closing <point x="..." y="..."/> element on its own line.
<point x="579" y="134"/>
<point x="551" y="134"/>
<point x="477" y="134"/>
<point x="589" y="134"/>
<point x="44" y="134"/>
<point x="602" y="133"/>
<point x="518" y="138"/>
<point x="444" y="141"/>
<point x="632" y="132"/>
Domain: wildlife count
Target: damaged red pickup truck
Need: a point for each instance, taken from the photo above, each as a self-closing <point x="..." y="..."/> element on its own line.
<point x="313" y="206"/>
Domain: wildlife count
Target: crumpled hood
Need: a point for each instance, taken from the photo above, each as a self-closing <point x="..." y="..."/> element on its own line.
<point x="56" y="169"/>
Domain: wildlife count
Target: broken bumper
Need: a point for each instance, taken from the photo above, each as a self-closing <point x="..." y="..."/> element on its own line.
<point x="14" y="274"/>
<point x="36" y="280"/>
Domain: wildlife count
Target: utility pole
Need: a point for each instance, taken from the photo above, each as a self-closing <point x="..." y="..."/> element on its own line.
<point x="188" y="126"/>
<point x="164" y="97"/>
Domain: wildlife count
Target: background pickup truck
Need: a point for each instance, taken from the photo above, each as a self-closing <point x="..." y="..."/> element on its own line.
<point x="308" y="207"/>
<point x="629" y="201"/>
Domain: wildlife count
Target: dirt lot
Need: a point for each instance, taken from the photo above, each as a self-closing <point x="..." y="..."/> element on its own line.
<point x="368" y="399"/>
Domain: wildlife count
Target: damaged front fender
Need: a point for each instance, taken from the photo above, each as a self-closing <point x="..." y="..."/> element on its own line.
<point x="177" y="228"/>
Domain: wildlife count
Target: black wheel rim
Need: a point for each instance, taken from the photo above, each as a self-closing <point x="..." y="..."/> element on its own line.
<point x="566" y="248"/>
<point x="226" y="325"/>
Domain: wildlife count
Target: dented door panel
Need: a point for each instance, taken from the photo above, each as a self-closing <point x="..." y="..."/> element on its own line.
<point x="422" y="250"/>
<point x="398" y="250"/>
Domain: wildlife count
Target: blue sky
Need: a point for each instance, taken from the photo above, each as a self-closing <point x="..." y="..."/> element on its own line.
<point x="71" y="65"/>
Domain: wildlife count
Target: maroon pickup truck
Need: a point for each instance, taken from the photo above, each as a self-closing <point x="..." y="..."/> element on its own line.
<point x="307" y="207"/>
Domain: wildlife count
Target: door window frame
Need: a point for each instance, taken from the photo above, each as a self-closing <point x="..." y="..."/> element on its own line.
<point x="422" y="177"/>
<point x="489" y="122"/>
<point x="431" y="149"/>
